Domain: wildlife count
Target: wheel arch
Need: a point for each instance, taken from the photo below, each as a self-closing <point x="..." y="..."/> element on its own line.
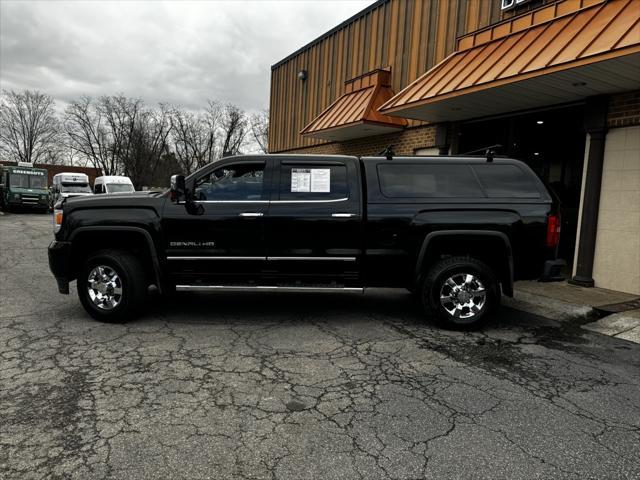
<point x="92" y="238"/>
<point x="448" y="242"/>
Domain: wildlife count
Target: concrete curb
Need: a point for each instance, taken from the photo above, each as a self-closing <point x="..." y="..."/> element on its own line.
<point x="625" y="325"/>
<point x="550" y="307"/>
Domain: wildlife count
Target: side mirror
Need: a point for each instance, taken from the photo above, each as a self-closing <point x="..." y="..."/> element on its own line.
<point x="178" y="188"/>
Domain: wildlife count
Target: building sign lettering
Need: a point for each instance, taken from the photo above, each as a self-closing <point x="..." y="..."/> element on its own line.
<point x="508" y="4"/>
<point x="27" y="172"/>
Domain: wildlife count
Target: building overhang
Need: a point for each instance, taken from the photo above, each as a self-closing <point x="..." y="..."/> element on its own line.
<point x="592" y="51"/>
<point x="355" y="114"/>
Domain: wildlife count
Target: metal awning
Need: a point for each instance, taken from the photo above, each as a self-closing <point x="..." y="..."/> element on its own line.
<point x="592" y="51"/>
<point x="355" y="114"/>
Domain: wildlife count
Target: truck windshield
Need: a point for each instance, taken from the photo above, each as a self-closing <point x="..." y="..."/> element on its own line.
<point x="20" y="180"/>
<point x="119" y="187"/>
<point x="37" y="181"/>
<point x="75" y="188"/>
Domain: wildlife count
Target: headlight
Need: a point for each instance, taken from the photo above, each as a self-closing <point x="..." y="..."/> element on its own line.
<point x="16" y="195"/>
<point x="57" y="220"/>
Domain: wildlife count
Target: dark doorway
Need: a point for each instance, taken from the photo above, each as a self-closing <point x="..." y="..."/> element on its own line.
<point x="552" y="143"/>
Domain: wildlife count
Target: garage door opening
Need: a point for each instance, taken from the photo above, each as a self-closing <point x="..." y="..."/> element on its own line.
<point x="552" y="143"/>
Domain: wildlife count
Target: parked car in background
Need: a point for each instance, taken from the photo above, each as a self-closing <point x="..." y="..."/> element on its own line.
<point x="69" y="184"/>
<point x="113" y="184"/>
<point x="24" y="186"/>
<point x="457" y="231"/>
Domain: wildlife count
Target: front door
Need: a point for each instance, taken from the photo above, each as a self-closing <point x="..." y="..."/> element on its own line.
<point x="314" y="224"/>
<point x="219" y="238"/>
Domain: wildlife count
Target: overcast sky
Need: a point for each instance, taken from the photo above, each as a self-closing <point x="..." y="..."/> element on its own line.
<point x="175" y="52"/>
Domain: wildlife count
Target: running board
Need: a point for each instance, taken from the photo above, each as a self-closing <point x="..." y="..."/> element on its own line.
<point x="249" y="288"/>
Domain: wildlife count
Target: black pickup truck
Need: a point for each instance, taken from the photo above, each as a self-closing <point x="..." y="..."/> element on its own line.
<point x="456" y="231"/>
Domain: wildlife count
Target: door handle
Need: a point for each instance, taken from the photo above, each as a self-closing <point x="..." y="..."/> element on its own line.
<point x="343" y="215"/>
<point x="251" y="214"/>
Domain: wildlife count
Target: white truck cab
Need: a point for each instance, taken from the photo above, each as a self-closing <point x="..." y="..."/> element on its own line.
<point x="69" y="184"/>
<point x="113" y="184"/>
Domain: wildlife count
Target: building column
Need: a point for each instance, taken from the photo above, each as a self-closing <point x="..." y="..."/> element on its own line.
<point x="595" y="123"/>
<point x="442" y="142"/>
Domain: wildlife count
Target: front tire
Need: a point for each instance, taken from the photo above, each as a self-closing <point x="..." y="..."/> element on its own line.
<point x="460" y="292"/>
<point x="112" y="286"/>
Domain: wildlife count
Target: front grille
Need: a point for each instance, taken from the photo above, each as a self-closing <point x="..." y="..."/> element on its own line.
<point x="30" y="199"/>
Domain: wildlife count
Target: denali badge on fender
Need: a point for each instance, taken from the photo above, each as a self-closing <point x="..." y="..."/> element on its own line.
<point x="194" y="244"/>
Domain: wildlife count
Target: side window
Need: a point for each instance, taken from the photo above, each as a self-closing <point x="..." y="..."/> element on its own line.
<point x="313" y="182"/>
<point x="428" y="181"/>
<point x="506" y="181"/>
<point x="240" y="181"/>
<point x="98" y="188"/>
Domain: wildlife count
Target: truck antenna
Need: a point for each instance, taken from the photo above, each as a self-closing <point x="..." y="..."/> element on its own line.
<point x="388" y="152"/>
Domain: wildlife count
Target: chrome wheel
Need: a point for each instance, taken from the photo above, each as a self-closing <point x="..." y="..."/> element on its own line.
<point x="463" y="295"/>
<point x="104" y="287"/>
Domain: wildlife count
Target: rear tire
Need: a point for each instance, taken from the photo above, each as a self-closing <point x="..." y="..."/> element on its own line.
<point x="112" y="286"/>
<point x="460" y="292"/>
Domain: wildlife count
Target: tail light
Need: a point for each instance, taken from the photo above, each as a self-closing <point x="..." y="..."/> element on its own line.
<point x="553" y="230"/>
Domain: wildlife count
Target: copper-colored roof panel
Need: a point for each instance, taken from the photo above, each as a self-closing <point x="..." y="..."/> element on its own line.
<point x="473" y="70"/>
<point x="494" y="63"/>
<point x="342" y="111"/>
<point x="346" y="109"/>
<point x="589" y="35"/>
<point x="465" y="63"/>
<point x="569" y="6"/>
<point x="428" y="84"/>
<point x="502" y="58"/>
<point x="498" y="49"/>
<point x="515" y="60"/>
<point x="568" y="32"/>
<point x="553" y="30"/>
<point x="593" y="30"/>
<point x="357" y="106"/>
<point x="610" y="36"/>
<point x="354" y="110"/>
<point x="632" y="37"/>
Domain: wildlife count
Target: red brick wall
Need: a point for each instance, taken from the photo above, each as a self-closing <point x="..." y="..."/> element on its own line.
<point x="404" y="142"/>
<point x="624" y="110"/>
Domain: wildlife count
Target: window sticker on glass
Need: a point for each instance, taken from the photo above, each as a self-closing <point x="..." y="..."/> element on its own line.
<point x="321" y="180"/>
<point x="311" y="180"/>
<point x="300" y="179"/>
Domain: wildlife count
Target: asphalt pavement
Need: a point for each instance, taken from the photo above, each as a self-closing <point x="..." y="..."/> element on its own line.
<point x="285" y="386"/>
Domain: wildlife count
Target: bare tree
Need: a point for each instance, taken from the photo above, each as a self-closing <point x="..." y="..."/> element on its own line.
<point x="123" y="117"/>
<point x="89" y="134"/>
<point x="195" y="136"/>
<point x="234" y="129"/>
<point x="119" y="135"/>
<point x="148" y="145"/>
<point x="29" y="128"/>
<point x="260" y="130"/>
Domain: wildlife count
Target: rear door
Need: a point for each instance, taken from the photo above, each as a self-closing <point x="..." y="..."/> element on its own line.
<point x="314" y="224"/>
